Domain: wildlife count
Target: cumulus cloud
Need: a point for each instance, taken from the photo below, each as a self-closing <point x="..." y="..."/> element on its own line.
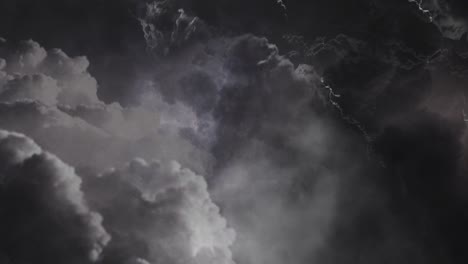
<point x="58" y="78"/>
<point x="271" y="142"/>
<point x="169" y="217"/>
<point x="44" y="217"/>
<point x="160" y="213"/>
<point x="156" y="212"/>
<point x="280" y="143"/>
<point x="52" y="98"/>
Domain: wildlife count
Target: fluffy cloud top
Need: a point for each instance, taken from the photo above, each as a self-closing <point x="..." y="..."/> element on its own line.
<point x="162" y="213"/>
<point x="49" y="76"/>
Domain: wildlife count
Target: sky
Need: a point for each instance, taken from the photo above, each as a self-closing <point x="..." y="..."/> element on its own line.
<point x="233" y="132"/>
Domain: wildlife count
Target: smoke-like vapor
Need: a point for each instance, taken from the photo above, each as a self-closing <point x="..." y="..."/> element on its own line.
<point x="272" y="144"/>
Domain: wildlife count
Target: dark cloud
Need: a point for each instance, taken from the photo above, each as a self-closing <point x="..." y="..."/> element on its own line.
<point x="153" y="211"/>
<point x="169" y="217"/>
<point x="264" y="89"/>
<point x="274" y="141"/>
<point x="45" y="218"/>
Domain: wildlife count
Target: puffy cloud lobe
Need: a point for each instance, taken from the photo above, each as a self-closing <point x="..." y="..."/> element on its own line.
<point x="79" y="87"/>
<point x="160" y="212"/>
<point x="37" y="86"/>
<point x="44" y="215"/>
<point x="49" y="76"/>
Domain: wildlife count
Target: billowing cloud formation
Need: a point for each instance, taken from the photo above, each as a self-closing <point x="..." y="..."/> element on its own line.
<point x="270" y="144"/>
<point x="52" y="98"/>
<point x="167" y="27"/>
<point x="276" y="172"/>
<point x="44" y="215"/>
<point x="49" y="76"/>
<point x="272" y="147"/>
<point x="282" y="151"/>
<point x="284" y="154"/>
<point x="243" y="108"/>
<point x="162" y="213"/>
<point x="156" y="212"/>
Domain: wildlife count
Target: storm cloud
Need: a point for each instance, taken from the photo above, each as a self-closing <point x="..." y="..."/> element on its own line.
<point x="229" y="132"/>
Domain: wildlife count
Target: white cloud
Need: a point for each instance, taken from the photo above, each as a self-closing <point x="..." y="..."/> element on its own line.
<point x="167" y="208"/>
